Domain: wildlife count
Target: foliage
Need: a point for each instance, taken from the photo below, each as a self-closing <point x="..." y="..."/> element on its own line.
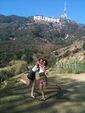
<point x="7" y="56"/>
<point x="71" y="66"/>
<point x="56" y="53"/>
<point x="5" y="74"/>
<point x="76" y="50"/>
<point x="18" y="66"/>
<point x="14" y="68"/>
<point x="67" y="53"/>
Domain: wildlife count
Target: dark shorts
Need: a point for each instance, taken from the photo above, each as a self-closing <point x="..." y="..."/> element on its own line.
<point x="31" y="75"/>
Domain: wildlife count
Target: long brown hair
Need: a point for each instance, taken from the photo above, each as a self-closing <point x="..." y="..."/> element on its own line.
<point x="46" y="62"/>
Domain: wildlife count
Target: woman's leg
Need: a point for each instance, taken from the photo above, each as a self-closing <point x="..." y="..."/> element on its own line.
<point x="42" y="91"/>
<point x="26" y="82"/>
<point x="32" y="88"/>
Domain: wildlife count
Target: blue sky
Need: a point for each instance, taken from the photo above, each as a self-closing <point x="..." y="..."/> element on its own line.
<point x="52" y="8"/>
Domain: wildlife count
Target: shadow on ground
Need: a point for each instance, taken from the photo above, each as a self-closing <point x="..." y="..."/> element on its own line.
<point x="15" y="98"/>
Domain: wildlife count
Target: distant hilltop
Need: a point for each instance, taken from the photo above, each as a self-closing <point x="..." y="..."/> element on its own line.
<point x="47" y="19"/>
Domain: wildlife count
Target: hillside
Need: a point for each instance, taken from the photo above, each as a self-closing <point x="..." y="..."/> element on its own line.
<point x="22" y="36"/>
<point x="14" y="27"/>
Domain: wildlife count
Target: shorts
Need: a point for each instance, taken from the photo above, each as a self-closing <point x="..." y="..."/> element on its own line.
<point x="43" y="82"/>
<point x="31" y="75"/>
<point x="43" y="79"/>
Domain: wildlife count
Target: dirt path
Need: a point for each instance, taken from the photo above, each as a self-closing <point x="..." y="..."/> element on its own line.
<point x="78" y="77"/>
<point x="15" y="98"/>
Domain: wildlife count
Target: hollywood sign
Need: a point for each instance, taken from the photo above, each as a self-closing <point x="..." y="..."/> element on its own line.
<point x="48" y="19"/>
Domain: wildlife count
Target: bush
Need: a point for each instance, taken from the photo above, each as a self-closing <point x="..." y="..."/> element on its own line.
<point x="67" y="53"/>
<point x="56" y="53"/>
<point x="76" y="50"/>
<point x="15" y="67"/>
<point x="4" y="75"/>
<point x="52" y="61"/>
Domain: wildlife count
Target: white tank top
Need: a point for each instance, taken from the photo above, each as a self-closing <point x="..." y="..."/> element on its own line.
<point x="42" y="69"/>
<point x="35" y="68"/>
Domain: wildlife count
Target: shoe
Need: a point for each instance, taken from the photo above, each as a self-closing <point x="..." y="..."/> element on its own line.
<point x="43" y="99"/>
<point x="33" y="96"/>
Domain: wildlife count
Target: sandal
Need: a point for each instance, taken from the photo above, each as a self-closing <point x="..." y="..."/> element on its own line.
<point x="43" y="99"/>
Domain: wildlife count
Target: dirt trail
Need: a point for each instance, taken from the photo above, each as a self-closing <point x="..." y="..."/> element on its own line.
<point x="78" y="77"/>
<point x="71" y="99"/>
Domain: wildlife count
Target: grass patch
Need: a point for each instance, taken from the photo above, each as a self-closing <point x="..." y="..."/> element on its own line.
<point x="70" y="66"/>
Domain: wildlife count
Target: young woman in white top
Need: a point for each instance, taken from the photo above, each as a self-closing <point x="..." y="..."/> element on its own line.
<point x="31" y="78"/>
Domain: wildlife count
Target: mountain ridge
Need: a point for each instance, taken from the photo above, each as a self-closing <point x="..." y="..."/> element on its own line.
<point x="62" y="31"/>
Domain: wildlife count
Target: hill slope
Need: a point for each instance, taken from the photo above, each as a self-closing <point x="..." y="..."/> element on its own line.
<point x="23" y="35"/>
<point x="14" y="27"/>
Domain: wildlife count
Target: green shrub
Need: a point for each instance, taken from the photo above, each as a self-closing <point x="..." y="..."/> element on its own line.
<point x="67" y="53"/>
<point x="76" y="50"/>
<point x="4" y="75"/>
<point x="56" y="53"/>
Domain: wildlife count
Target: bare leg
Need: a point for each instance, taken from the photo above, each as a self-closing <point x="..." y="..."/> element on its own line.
<point x="32" y="89"/>
<point x="42" y="91"/>
<point x="26" y="82"/>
